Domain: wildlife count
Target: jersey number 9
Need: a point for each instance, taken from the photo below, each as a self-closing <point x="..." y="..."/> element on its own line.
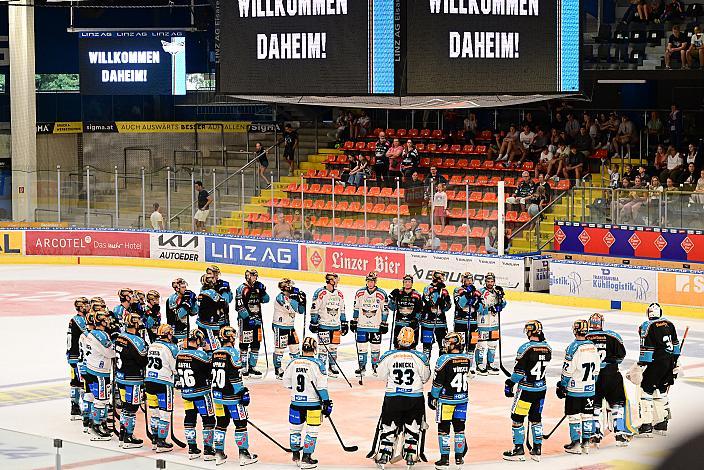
<point x="300" y="383"/>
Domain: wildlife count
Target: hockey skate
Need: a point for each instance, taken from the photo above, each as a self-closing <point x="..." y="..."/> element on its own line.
<point x="296" y="457"/>
<point x="131" y="442"/>
<point x="220" y="457"/>
<point x="99" y="433"/>
<point x="574" y="447"/>
<point x="517" y="454"/>
<point x="374" y="370"/>
<point x="279" y="373"/>
<point x="254" y="373"/>
<point x="360" y="370"/>
<point x="86" y="425"/>
<point x="163" y="446"/>
<point x="193" y="452"/>
<point x="481" y="371"/>
<point x="622" y="440"/>
<point x="332" y="371"/>
<point x="645" y="430"/>
<point x="492" y="370"/>
<point x="308" y="461"/>
<point x="536" y="452"/>
<point x="76" y="414"/>
<point x="208" y="454"/>
<point x="596" y="439"/>
<point x="443" y="463"/>
<point x="585" y="447"/>
<point x="661" y="428"/>
<point x="121" y="436"/>
<point x="459" y="460"/>
<point x="246" y="458"/>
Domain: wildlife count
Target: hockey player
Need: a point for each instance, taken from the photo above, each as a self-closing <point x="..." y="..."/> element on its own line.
<point x="99" y="355"/>
<point x="532" y="361"/>
<point x="328" y="320"/>
<point x="131" y="360"/>
<point x="436" y="303"/>
<point x="159" y="386"/>
<point x="248" y="301"/>
<point x="577" y="387"/>
<point x="126" y="297"/>
<point x="181" y="305"/>
<point x="76" y="329"/>
<point x="223" y="289"/>
<point x="609" y="385"/>
<point x="449" y="398"/>
<point x="152" y="315"/>
<point x="209" y="320"/>
<point x="305" y="377"/>
<point x="657" y="370"/>
<point x="405" y="371"/>
<point x="231" y="398"/>
<point x="467" y="299"/>
<point x="112" y="326"/>
<point x="407" y="305"/>
<point x="289" y="302"/>
<point x="492" y="304"/>
<point x="86" y="405"/>
<point x="369" y="322"/>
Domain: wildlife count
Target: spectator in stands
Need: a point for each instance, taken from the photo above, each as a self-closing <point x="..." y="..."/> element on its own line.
<point x="471" y="126"/>
<point x="282" y="229"/>
<point x="409" y="159"/>
<point x="696" y="48"/>
<point x="625" y="183"/>
<point x="583" y="143"/>
<point x="526" y="138"/>
<point x="395" y="156"/>
<point x="634" y="199"/>
<point x="676" y="126"/>
<point x="674" y="164"/>
<point x="412" y="235"/>
<point x="571" y="127"/>
<point x="558" y="122"/>
<point x="156" y="219"/>
<point x="655" y="127"/>
<point x="574" y="165"/>
<point x="204" y="201"/>
<point x="643" y="9"/>
<point x="341" y="123"/>
<point x="539" y="199"/>
<point x="660" y="159"/>
<point x="433" y="242"/>
<point x="676" y="46"/>
<point x="290" y="141"/>
<point x="414" y="194"/>
<point x="593" y="131"/>
<point x="692" y="153"/>
<point x="439" y="208"/>
<point x="688" y="178"/>
<point x="648" y="212"/>
<point x="308" y="231"/>
<point x="381" y="161"/>
<point x="509" y="145"/>
<point x="260" y="155"/>
<point x="673" y="11"/>
<point x="524" y="189"/>
<point x="491" y="240"/>
<point x="357" y="171"/>
<point x="642" y="171"/>
<point x="363" y="125"/>
<point x="397" y="228"/>
<point x="625" y="135"/>
<point x="545" y="162"/>
<point x="610" y="127"/>
<point x="541" y="140"/>
<point x="434" y="178"/>
<point x="698" y="196"/>
<point x="614" y="176"/>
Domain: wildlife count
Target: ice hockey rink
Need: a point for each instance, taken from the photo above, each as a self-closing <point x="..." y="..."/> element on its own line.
<point x="36" y="302"/>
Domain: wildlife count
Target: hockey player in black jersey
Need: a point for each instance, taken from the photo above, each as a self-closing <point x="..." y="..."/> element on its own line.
<point x="180" y="305"/>
<point x="467" y="299"/>
<point x="407" y="305"/>
<point x="609" y="384"/>
<point x="151" y="316"/>
<point x="76" y="328"/>
<point x="223" y="289"/>
<point x="436" y="303"/>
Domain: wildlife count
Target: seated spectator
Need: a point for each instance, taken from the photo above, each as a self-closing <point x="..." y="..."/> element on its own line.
<point x="614" y="176"/>
<point x="571" y="128"/>
<point x="433" y="242"/>
<point x="677" y="47"/>
<point x="649" y="211"/>
<point x="609" y="127"/>
<point x="696" y="48"/>
<point x="397" y="228"/>
<point x="308" y="231"/>
<point x="414" y="194"/>
<point x="675" y="123"/>
<point x="409" y="159"/>
<point x="541" y="140"/>
<point x="342" y="132"/>
<point x="583" y="143"/>
<point x="673" y="11"/>
<point x="660" y="159"/>
<point x="625" y="135"/>
<point x="412" y="235"/>
<point x="628" y="170"/>
<point x="625" y="183"/>
<point x="555" y="138"/>
<point x="381" y="161"/>
<point x="574" y="165"/>
<point x="698" y="196"/>
<point x="655" y="127"/>
<point x="674" y="165"/>
<point x="631" y="12"/>
<point x="642" y="171"/>
<point x="692" y="154"/>
<point x="471" y="126"/>
<point x="545" y="163"/>
<point x="525" y="138"/>
<point x="558" y="122"/>
<point x="363" y="125"/>
<point x="491" y="240"/>
<point x="688" y="178"/>
<point x="509" y="145"/>
<point x="394" y="154"/>
<point x="439" y="208"/>
<point x="594" y="133"/>
<point x="358" y="171"/>
<point x="644" y="10"/>
<point x="537" y="201"/>
<point x="433" y="180"/>
<point x="524" y="189"/>
<point x="631" y="202"/>
<point x="282" y="228"/>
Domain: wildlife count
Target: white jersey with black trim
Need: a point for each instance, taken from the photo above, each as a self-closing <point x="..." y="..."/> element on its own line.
<point x="99" y="353"/>
<point x="328" y="307"/>
<point x="370" y="308"/>
<point x="405" y="372"/>
<point x="161" y="362"/>
<point x="581" y="368"/>
<point x="285" y="310"/>
<point x="299" y="375"/>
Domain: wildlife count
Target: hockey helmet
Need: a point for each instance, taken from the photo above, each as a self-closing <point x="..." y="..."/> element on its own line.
<point x="102" y="318"/>
<point x="438" y="276"/>
<point x="406" y="337"/>
<point x="331" y="278"/>
<point x="132" y="320"/>
<point x="213" y="269"/>
<point x="580" y="327"/>
<point x="178" y="282"/>
<point x="534" y="328"/>
<point x="140" y="296"/>
<point x="310" y="345"/>
<point x="372" y="276"/>
<point x="452" y="342"/>
<point x="228" y="334"/>
<point x="90" y="318"/>
<point x="80" y="303"/>
<point x="286" y="285"/>
<point x="596" y="322"/>
<point x="125" y="294"/>
<point x="654" y="311"/>
<point x="198" y="336"/>
<point x="490" y="277"/>
<point x="153" y="296"/>
<point x="165" y="331"/>
<point x="249" y="274"/>
<point x="207" y="281"/>
<point x="98" y="305"/>
<point x="467" y="276"/>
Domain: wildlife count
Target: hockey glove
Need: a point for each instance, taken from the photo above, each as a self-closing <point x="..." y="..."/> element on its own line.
<point x="327" y="407"/>
<point x="313" y="327"/>
<point x="224" y="287"/>
<point x="353" y="326"/>
<point x="432" y="402"/>
<point x="383" y="328"/>
<point x="561" y="391"/>
<point x="344" y="328"/>
<point x="245" y="399"/>
<point x="508" y="388"/>
<point x="188" y="300"/>
<point x="259" y="287"/>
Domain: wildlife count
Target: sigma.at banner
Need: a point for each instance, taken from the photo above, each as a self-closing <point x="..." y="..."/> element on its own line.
<point x="388" y="264"/>
<point x="510" y="272"/>
<point x="607" y="282"/>
<point x="484" y="45"/>
<point x="255" y="253"/>
<point x="177" y="246"/>
<point x="87" y="243"/>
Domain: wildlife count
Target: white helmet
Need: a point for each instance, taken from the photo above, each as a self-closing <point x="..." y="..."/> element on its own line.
<point x="654" y="311"/>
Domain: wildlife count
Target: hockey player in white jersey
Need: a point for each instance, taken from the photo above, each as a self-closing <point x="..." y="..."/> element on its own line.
<point x="303" y="376"/>
<point x="405" y="371"/>
<point x="328" y="320"/>
<point x="369" y="322"/>
<point x="76" y="329"/>
<point x="492" y="303"/>
<point x="577" y="386"/>
<point x="159" y="386"/>
<point x="289" y="303"/>
<point x="99" y="354"/>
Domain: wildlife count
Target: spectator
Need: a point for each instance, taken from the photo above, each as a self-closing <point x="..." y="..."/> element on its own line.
<point x="156" y="219"/>
<point x="471" y="126"/>
<point x="555" y="138"/>
<point x="628" y="170"/>
<point x="260" y="155"/>
<point x="433" y="242"/>
<point x="558" y="122"/>
<point x="431" y="183"/>
<point x="642" y="172"/>
<point x="676" y="46"/>
<point x="358" y="168"/>
<point x="698" y="196"/>
<point x="626" y="182"/>
<point x="594" y="133"/>
<point x="395" y="156"/>
<point x="635" y="198"/>
<point x="625" y="135"/>
<point x="526" y="138"/>
<point x="676" y="126"/>
<point x="688" y="178"/>
<point x="673" y="11"/>
<point x="674" y="164"/>
<point x="539" y="199"/>
<point x="643" y="9"/>
<point x="545" y="163"/>
<point x="583" y="143"/>
<point x="308" y="231"/>
<point x="541" y="140"/>
<point x="414" y="194"/>
<point x="396" y="230"/>
<point x="655" y="127"/>
<point x="692" y="154"/>
<point x="381" y="161"/>
<point x="524" y="189"/>
<point x="290" y="141"/>
<point x="508" y="145"/>
<point x="574" y="165"/>
<point x="609" y="127"/>
<point x="440" y="205"/>
<point x="409" y="159"/>
<point x="652" y="205"/>
<point x="204" y="201"/>
<point x="696" y="48"/>
<point x="491" y="240"/>
<point x="342" y="132"/>
<point x="660" y="159"/>
<point x="282" y="229"/>
<point x="560" y="159"/>
<point x="614" y="176"/>
<point x="571" y="127"/>
<point x="362" y="126"/>
<point x="412" y="235"/>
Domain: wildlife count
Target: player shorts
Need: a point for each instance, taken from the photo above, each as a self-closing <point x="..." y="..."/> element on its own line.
<point x="609" y="387"/>
<point x="449" y="412"/>
<point x="250" y="335"/>
<point x="579" y="405"/>
<point x="329" y="336"/>
<point x="488" y="335"/>
<point x="203" y="404"/>
<point x="426" y="334"/>
<point x="284" y="337"/>
<point x="305" y="415"/>
<point x="130" y="394"/>
<point x="402" y="410"/>
<point x="528" y="403"/>
<point x="98" y="386"/>
<point x="75" y="376"/>
<point x="373" y="337"/>
<point x="159" y="396"/>
<point x="461" y="329"/>
<point x="235" y="411"/>
<point x="657" y="376"/>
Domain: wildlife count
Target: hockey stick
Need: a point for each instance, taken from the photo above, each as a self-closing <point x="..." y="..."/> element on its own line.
<point x="285" y="449"/>
<point x="148" y="431"/>
<point x="336" y="364"/>
<point x="547" y="436"/>
<point x="344" y="447"/>
<point x="266" y="354"/>
<point x="375" y="441"/>
<point x="356" y="347"/>
<point x="501" y="362"/>
<point x="173" y="437"/>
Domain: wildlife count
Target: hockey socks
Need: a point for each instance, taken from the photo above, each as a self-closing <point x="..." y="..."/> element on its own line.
<point x="163" y="429"/>
<point x="128" y="420"/>
<point x="375" y="358"/>
<point x="362" y="358"/>
<point x="190" y="436"/>
<point x="154" y="425"/>
<point x="576" y="432"/>
<point x="219" y="439"/>
<point x="490" y="356"/>
<point x="295" y="441"/>
<point x="253" y="358"/>
<point x="207" y="438"/>
<point x="519" y="434"/>
<point x="537" y="432"/>
<point x="444" y="444"/>
<point x="242" y="439"/>
<point x="277" y="360"/>
<point x="309" y="444"/>
<point x="460" y="444"/>
<point x="75" y="395"/>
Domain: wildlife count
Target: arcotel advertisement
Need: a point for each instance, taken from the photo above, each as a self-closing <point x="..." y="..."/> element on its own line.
<point x="87" y="243"/>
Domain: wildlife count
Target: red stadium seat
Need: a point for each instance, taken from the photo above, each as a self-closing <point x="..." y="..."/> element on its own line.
<point x="425" y="134"/>
<point x="349" y="145"/>
<point x="437" y="134"/>
<point x="401" y="133"/>
<point x="413" y="133"/>
<point x="390" y="133"/>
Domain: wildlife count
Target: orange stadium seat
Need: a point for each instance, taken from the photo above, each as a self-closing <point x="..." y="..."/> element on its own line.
<point x="390" y="133"/>
<point x="359" y="146"/>
<point x="456" y="247"/>
<point x="425" y="134"/>
<point x="420" y="148"/>
<point x="424" y="162"/>
<point x="413" y="133"/>
<point x="351" y="240"/>
<point x="349" y="145"/>
<point x="437" y="134"/>
<point x="401" y="133"/>
<point x="471" y="248"/>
